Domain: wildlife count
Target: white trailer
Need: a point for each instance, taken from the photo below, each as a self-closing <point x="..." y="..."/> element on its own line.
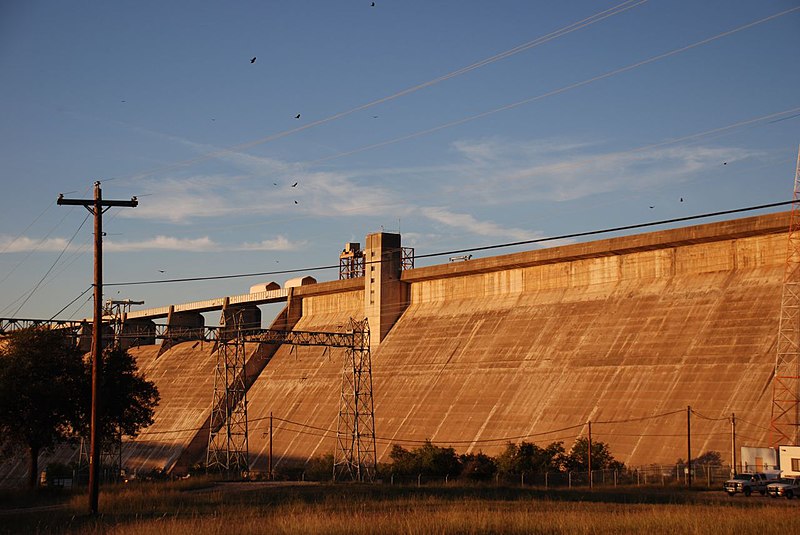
<point x="790" y="461"/>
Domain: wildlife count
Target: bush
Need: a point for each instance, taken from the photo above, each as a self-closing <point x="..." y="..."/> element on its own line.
<point x="477" y="467"/>
<point x="320" y="468"/>
<point x="428" y="460"/>
<point x="528" y="458"/>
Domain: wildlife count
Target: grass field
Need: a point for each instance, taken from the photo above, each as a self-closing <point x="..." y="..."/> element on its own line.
<point x="201" y="507"/>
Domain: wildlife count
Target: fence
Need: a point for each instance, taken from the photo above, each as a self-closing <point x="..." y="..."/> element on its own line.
<point x="652" y="475"/>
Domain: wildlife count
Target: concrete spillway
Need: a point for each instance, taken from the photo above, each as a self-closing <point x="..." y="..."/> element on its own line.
<point x="526" y="346"/>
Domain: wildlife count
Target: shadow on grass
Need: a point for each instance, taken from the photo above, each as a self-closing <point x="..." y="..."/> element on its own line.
<point x="125" y="505"/>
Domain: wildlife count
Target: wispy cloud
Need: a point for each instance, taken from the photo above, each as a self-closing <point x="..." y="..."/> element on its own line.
<point x="22" y="244"/>
<point x="277" y="244"/>
<point x="162" y="243"/>
<point x="158" y="243"/>
<point x="472" y="225"/>
<point x="562" y="171"/>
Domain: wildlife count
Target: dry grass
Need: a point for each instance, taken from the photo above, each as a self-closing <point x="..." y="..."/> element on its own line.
<point x="325" y="509"/>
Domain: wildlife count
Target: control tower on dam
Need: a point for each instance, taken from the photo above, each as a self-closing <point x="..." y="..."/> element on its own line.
<point x="625" y="332"/>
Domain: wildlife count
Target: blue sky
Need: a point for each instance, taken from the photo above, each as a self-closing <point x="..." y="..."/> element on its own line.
<point x="460" y="123"/>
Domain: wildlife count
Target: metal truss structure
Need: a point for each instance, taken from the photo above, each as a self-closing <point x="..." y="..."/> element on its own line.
<point x="15" y="324"/>
<point x="228" y="449"/>
<point x="407" y="258"/>
<point x="354" y="455"/>
<point x="785" y="418"/>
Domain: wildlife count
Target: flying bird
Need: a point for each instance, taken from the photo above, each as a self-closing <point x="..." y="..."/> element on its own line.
<point x="681" y="199"/>
<point x="161" y="271"/>
<point x="297" y="116"/>
<point x="724" y="163"/>
<point x="295" y="202"/>
<point x="652" y="207"/>
<point x="294" y="185"/>
<point x="372" y="5"/>
<point x="253" y="60"/>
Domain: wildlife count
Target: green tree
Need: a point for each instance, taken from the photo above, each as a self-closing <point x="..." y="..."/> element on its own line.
<point x="41" y="381"/>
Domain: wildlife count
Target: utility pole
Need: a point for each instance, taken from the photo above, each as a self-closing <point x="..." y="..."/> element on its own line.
<point x="689" y="444"/>
<point x="590" y="454"/>
<point x="733" y="444"/>
<point x="269" y="471"/>
<point x="96" y="207"/>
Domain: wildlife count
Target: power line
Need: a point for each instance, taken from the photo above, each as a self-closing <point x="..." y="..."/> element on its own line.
<point x="52" y="266"/>
<point x="467" y="250"/>
<point x="597" y="17"/>
<point x="559" y="90"/>
<point x="70" y="303"/>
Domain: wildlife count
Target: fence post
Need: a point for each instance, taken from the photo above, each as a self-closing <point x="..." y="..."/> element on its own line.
<point x="569" y="479"/>
<point x="522" y="479"/>
<point x="615" y="478"/>
<point x="419" y="480"/>
<point x="637" y="478"/>
<point x="545" y="480"/>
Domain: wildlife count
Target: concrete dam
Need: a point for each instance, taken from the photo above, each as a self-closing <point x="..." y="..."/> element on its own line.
<point x="625" y="332"/>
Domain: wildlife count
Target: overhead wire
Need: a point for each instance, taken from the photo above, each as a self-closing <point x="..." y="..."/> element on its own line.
<point x="597" y="17"/>
<point x="559" y="90"/>
<point x="36" y="287"/>
<point x="312" y="430"/>
<point x="12" y="242"/>
<point x="466" y="250"/>
<point x="71" y="302"/>
<point x="699" y="415"/>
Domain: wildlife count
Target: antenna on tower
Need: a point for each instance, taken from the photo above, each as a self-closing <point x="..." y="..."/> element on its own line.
<point x="785" y="419"/>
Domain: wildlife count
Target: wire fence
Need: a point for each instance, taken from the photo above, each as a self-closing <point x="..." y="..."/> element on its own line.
<point x="707" y="475"/>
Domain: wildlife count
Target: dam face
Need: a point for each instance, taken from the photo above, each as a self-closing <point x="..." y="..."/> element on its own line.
<point x="625" y="332"/>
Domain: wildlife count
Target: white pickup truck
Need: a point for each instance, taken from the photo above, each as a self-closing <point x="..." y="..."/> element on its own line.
<point x="747" y="484"/>
<point x="787" y="487"/>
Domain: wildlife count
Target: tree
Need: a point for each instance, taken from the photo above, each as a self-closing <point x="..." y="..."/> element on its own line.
<point x="578" y="458"/>
<point x="127" y="399"/>
<point x="528" y="458"/>
<point x="427" y="460"/>
<point x="41" y="381"/>
<point x="45" y="393"/>
<point x="477" y="466"/>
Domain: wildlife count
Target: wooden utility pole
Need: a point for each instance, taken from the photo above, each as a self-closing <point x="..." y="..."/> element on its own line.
<point x="689" y="445"/>
<point x="96" y="207"/>
<point x="733" y="444"/>
<point x="590" y="454"/>
<point x="269" y="469"/>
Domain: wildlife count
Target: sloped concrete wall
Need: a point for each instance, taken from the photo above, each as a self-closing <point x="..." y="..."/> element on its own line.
<point x="531" y="346"/>
<point x="517" y="353"/>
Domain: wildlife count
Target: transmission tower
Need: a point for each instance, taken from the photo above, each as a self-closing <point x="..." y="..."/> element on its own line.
<point x="227" y="439"/>
<point x="785" y="420"/>
<point x="355" y="454"/>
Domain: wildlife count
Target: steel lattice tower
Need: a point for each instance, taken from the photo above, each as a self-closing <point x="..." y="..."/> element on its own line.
<point x="228" y="449"/>
<point x="785" y="419"/>
<point x="355" y="455"/>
